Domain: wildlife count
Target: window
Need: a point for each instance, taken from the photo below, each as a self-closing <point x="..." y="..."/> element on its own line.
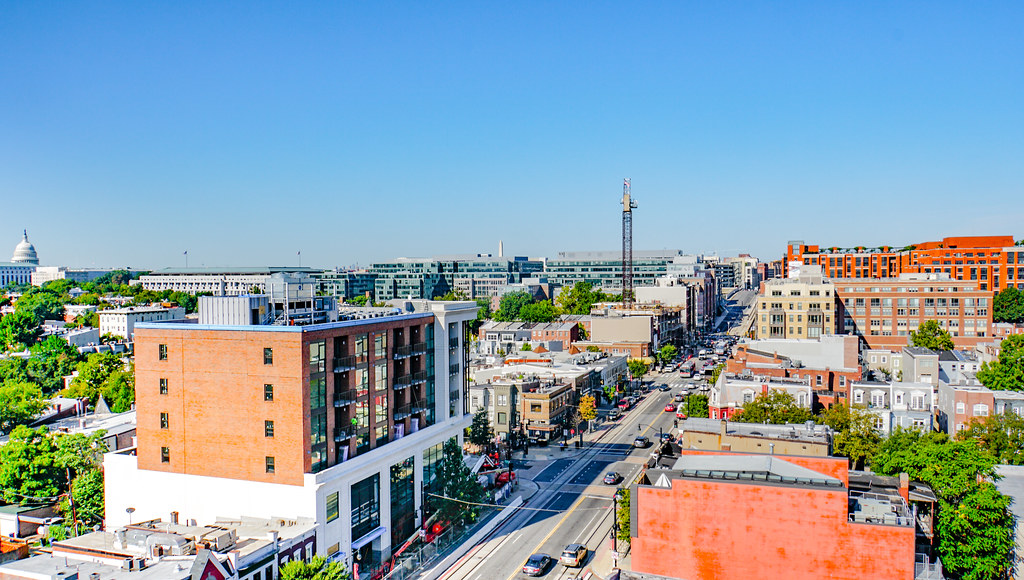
<point x="332" y="507"/>
<point x="502" y="418"/>
<point x="268" y="356"/>
<point x="269" y="464"/>
<point x="268" y="392"/>
<point x="535" y="407"/>
<point x="163" y="351"/>
<point x="268" y="428"/>
<point x="365" y="506"/>
<point x="164" y="421"/>
<point x="981" y="410"/>
<point x="163" y="386"/>
<point x="165" y="455"/>
<point x="961" y="408"/>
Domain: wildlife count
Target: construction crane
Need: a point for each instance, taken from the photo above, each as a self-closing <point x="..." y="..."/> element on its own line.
<point x="628" y="205"/>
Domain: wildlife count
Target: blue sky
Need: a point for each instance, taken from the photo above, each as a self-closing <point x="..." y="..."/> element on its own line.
<point x="362" y="131"/>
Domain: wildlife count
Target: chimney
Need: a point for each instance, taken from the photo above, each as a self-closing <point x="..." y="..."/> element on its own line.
<point x="174" y="518"/>
<point x="724" y="429"/>
<point x="233" y="558"/>
<point x="771" y="449"/>
<point x="905" y="487"/>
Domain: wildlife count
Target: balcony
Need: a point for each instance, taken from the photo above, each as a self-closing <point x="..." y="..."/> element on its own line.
<point x="344" y="398"/>
<point x="403" y="352"/>
<point x="344" y="363"/>
<point x="453" y="342"/>
<point x="418" y="407"/>
<point x="341" y="435"/>
<point x="419" y="348"/>
<point x="403" y="382"/>
<point x="453" y="369"/>
<point x="420" y="377"/>
<point x="403" y="411"/>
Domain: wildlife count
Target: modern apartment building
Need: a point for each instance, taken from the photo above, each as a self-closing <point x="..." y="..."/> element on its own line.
<point x="477" y="276"/>
<point x="800" y="307"/>
<point x="217" y="281"/>
<point x="344" y="284"/>
<point x="604" y="268"/>
<point x="884" y="311"/>
<point x="341" y="422"/>
<point x="992" y="262"/>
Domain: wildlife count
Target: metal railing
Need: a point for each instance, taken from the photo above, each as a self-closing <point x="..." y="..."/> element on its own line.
<point x="419" y="377"/>
<point x="403" y="382"/>
<point x="403" y="411"/>
<point x="419" y="347"/>
<point x="341" y="434"/>
<point x="344" y="398"/>
<point x="404" y="351"/>
<point x="453" y="369"/>
<point x="344" y="363"/>
<point x="453" y="342"/>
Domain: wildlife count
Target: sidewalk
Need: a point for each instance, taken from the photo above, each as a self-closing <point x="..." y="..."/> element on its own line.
<point x="602" y="565"/>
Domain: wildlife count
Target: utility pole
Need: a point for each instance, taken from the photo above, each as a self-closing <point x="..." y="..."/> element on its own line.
<point x="628" y="205"/>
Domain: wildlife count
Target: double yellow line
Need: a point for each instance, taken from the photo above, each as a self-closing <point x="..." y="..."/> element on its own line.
<point x="548" y="537"/>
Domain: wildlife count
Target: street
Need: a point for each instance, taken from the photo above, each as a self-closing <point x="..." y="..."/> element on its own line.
<point x="572" y="504"/>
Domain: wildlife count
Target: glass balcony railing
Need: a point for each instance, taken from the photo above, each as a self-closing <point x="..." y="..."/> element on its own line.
<point x="403" y="382"/>
<point x="344" y="398"/>
<point x="341" y="434"/>
<point x="344" y="363"/>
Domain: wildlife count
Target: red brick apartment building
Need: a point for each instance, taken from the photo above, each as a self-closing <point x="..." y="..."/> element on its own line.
<point x="884" y="311"/>
<point x="733" y="516"/>
<point x="829" y="384"/>
<point x="991" y="261"/>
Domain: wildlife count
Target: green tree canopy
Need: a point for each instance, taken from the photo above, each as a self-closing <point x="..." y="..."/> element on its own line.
<point x="1006" y="373"/>
<point x="318" y="568"/>
<point x="855" y="434"/>
<point x="974" y="524"/>
<point x="458" y="486"/>
<point x="1008" y="306"/>
<point x="776" y="407"/>
<point x="41" y="305"/>
<point x="696" y="406"/>
<point x="19" y="403"/>
<point x="511" y="304"/>
<point x="1001" y="434"/>
<point x="637" y="368"/>
<point x="580" y="298"/>
<point x="29" y="470"/>
<point x="543" y="311"/>
<point x="666" y="353"/>
<point x="480" y="432"/>
<point x="18" y="329"/>
<point x="931" y="335"/>
<point x="104" y="374"/>
<point x="622" y="517"/>
<point x="52" y="360"/>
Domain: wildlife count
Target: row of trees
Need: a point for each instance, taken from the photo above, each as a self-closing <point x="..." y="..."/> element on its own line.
<point x="973" y="523"/>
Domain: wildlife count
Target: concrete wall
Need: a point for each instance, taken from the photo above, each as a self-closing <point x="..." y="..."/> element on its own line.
<point x="621" y="329"/>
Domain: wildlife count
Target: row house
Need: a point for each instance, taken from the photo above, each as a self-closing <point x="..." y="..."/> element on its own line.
<point x="731" y="392"/>
<point x="959" y="404"/>
<point x="895" y="404"/>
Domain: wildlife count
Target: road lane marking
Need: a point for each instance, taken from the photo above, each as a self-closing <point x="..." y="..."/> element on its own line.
<point x="519" y="568"/>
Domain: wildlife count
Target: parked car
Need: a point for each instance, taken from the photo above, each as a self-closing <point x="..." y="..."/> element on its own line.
<point x="641" y="441"/>
<point x="612" y="477"/>
<point x="623" y="404"/>
<point x="573" y="555"/>
<point x="614" y="414"/>
<point x="680" y="414"/>
<point x="537" y="565"/>
<point x="666" y="437"/>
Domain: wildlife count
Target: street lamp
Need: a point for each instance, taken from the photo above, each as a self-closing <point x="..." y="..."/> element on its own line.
<point x="129" y="511"/>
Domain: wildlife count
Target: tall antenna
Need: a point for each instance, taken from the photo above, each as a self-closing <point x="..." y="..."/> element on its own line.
<point x="628" y="204"/>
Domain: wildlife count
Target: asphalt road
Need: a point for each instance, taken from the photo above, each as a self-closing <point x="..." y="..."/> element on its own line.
<point x="573" y="505"/>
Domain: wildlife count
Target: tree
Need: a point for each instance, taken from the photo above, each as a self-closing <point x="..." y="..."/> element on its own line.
<point x="776" y="407"/>
<point x="637" y="368"/>
<point x="87" y="493"/>
<point x="973" y="523"/>
<point x="1007" y="373"/>
<point x="318" y="568"/>
<point x="527" y="347"/>
<point x="622" y="518"/>
<point x="716" y="372"/>
<point x="459" y="487"/>
<point x="93" y="378"/>
<point x="29" y="470"/>
<point x="51" y="361"/>
<point x="511" y="304"/>
<point x="1008" y="306"/>
<point x="855" y="434"/>
<point x="41" y="305"/>
<point x="19" y="402"/>
<point x="580" y="298"/>
<point x="1002" y="435"/>
<point x="453" y="295"/>
<point x="697" y="406"/>
<point x="543" y="311"/>
<point x="931" y="335"/>
<point x="667" y="353"/>
<point x="480" y="432"/>
<point x="588" y="408"/>
<point x="357" y="300"/>
<point x="18" y="328"/>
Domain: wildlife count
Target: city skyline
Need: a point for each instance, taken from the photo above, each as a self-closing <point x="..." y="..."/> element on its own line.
<point x="357" y="134"/>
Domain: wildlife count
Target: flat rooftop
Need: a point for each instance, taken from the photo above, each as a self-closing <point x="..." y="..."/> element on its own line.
<point x="789" y="432"/>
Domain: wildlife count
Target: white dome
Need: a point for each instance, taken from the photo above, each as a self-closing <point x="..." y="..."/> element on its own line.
<point x="25" y="252"/>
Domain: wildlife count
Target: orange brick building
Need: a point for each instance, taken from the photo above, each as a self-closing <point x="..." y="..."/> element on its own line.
<point x="342" y="422"/>
<point x="992" y="261"/>
<point x="737" y="516"/>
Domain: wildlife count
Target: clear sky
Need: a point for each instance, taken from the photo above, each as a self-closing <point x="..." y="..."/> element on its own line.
<point x="360" y="131"/>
